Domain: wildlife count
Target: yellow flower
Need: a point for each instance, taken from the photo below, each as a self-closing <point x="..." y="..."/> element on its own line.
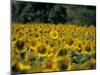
<point x="78" y="45"/>
<point x="28" y="58"/>
<point x="67" y="46"/>
<point x="62" y="63"/>
<point x="90" y="64"/>
<point x="69" y="67"/>
<point x="54" y="34"/>
<point x="42" y="40"/>
<point x="32" y="44"/>
<point x="41" y="50"/>
<point x="87" y="49"/>
<point x="75" y="67"/>
<point x="49" y="64"/>
<point x="23" y="67"/>
<point x="69" y="40"/>
<point x="14" y="61"/>
<point x="50" y="52"/>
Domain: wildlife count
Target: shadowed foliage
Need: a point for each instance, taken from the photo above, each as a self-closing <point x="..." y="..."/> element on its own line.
<point x="29" y="12"/>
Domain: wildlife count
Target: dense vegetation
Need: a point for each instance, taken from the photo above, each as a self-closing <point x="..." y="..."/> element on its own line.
<point x="50" y="47"/>
<point x="25" y="12"/>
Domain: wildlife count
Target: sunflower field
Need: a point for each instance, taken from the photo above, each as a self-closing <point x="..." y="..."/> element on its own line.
<point x="46" y="47"/>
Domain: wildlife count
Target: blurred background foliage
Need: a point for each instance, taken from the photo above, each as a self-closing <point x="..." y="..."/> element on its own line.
<point x="35" y="12"/>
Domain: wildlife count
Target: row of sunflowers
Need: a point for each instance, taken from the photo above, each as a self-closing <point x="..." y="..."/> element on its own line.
<point x="51" y="47"/>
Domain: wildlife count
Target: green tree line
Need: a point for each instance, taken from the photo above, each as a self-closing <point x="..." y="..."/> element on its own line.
<point x="35" y="12"/>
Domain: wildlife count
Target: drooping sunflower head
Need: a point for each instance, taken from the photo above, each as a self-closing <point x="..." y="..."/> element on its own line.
<point x="54" y="34"/>
<point x="63" y="63"/>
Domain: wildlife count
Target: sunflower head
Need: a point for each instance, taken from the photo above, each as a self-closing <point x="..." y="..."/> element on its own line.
<point x="20" y="44"/>
<point x="63" y="52"/>
<point x="50" y="52"/>
<point x="63" y="63"/>
<point x="90" y="64"/>
<point x="87" y="49"/>
<point x="54" y="34"/>
<point x="69" y="40"/>
<point x="41" y="49"/>
<point x="33" y="43"/>
<point x="23" y="67"/>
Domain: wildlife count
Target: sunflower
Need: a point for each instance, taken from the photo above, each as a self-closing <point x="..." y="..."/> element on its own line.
<point x="63" y="52"/>
<point x="78" y="45"/>
<point x="54" y="34"/>
<point x="41" y="50"/>
<point x="90" y="64"/>
<point x="28" y="57"/>
<point x="69" y="40"/>
<point x="50" y="65"/>
<point x="15" y="55"/>
<point x="62" y="63"/>
<point x="23" y="67"/>
<point x="69" y="67"/>
<point x="32" y="44"/>
<point x="67" y="46"/>
<point x="75" y="67"/>
<point x="87" y="49"/>
<point x="51" y="52"/>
